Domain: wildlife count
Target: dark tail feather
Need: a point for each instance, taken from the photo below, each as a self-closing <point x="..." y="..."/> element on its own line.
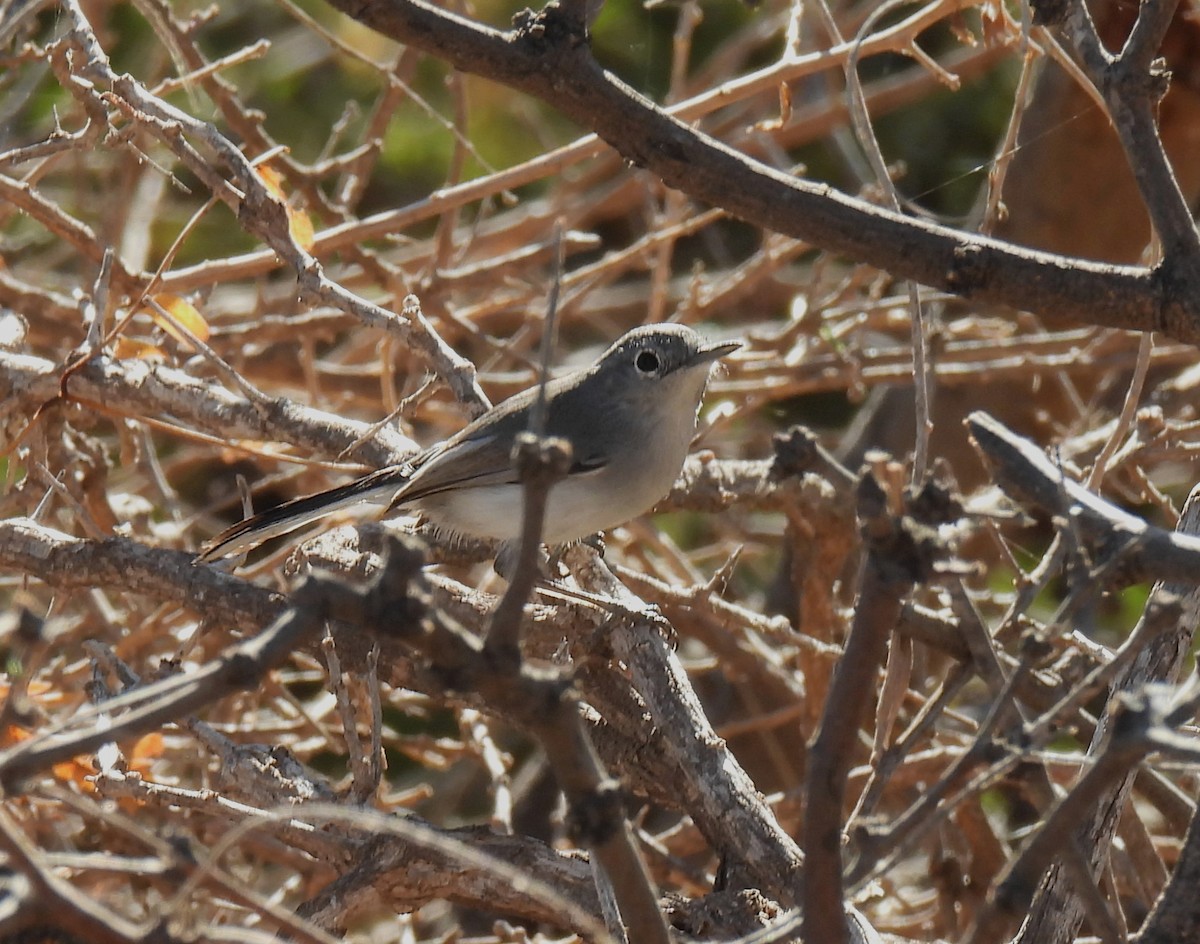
<point x="245" y="535"/>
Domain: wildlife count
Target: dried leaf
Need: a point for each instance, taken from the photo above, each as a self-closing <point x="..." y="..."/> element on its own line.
<point x="183" y="312"/>
<point x="133" y="349"/>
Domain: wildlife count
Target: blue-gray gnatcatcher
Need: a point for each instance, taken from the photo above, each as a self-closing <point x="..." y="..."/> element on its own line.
<point x="630" y="418"/>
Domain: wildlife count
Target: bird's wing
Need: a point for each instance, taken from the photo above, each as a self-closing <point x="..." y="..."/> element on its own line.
<point x="377" y="486"/>
<point x="473" y="463"/>
<point x="468" y="463"/>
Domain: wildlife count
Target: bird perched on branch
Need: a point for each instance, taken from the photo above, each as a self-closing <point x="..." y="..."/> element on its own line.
<point x="629" y="418"/>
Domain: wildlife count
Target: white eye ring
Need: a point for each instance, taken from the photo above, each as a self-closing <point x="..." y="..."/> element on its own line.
<point x="647" y="362"/>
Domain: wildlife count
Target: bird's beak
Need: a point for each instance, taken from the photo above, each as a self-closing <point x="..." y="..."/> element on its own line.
<point x="713" y="352"/>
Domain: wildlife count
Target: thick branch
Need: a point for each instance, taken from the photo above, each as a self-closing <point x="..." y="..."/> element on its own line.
<point x="1115" y="537"/>
<point x="544" y="58"/>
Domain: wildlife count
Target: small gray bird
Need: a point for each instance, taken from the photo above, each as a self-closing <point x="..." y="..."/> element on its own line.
<point x="629" y="417"/>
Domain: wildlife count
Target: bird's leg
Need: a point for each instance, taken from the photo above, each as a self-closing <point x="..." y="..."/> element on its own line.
<point x="595" y="541"/>
<point x="506" y="561"/>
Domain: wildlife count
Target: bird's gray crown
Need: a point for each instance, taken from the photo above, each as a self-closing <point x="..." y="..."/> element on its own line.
<point x="658" y="350"/>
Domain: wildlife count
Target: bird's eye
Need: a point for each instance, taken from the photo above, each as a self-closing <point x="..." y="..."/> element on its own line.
<point x="646" y="362"/>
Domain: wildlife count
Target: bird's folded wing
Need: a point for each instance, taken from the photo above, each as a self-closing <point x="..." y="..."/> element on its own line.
<point x="378" y="486"/>
<point x="471" y="464"/>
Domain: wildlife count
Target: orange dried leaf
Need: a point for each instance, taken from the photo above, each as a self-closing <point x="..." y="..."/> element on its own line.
<point x="133" y="349"/>
<point x="301" y="228"/>
<point x="299" y="223"/>
<point x="148" y="747"/>
<point x="76" y="771"/>
<point x="183" y="312"/>
<point x="272" y="180"/>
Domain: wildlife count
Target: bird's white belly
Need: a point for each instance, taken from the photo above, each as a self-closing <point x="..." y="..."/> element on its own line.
<point x="578" y="506"/>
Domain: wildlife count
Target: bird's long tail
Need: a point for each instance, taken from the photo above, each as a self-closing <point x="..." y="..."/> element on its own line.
<point x="379" y="486"/>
